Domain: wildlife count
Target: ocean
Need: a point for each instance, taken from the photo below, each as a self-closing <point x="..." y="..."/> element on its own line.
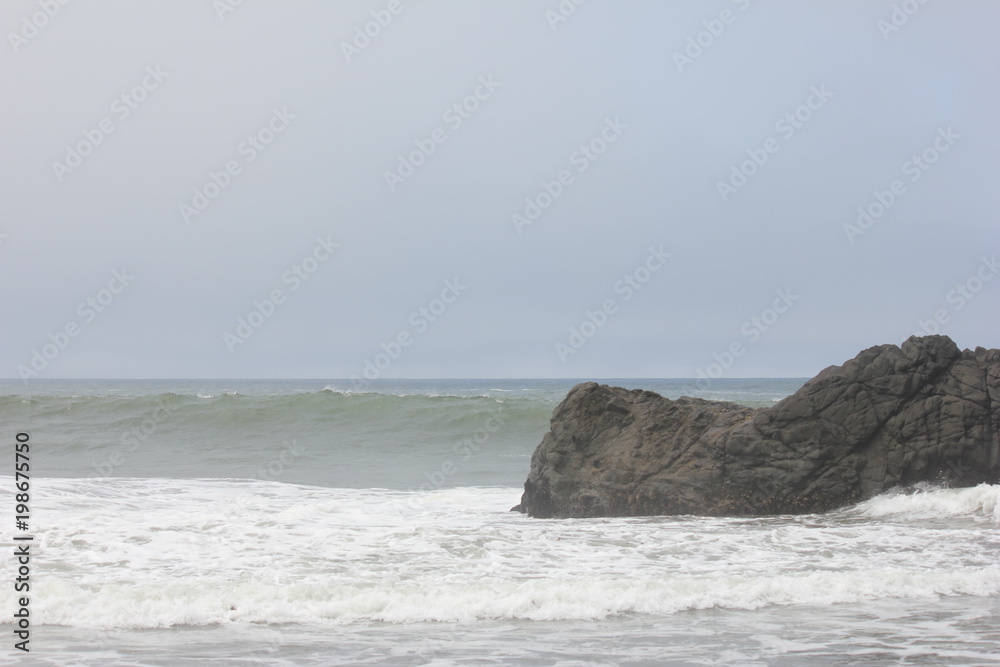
<point x="324" y="523"/>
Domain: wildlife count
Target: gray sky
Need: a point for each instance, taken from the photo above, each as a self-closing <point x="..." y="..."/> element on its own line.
<point x="739" y="138"/>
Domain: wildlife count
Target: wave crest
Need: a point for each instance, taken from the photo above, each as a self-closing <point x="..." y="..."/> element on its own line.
<point x="982" y="501"/>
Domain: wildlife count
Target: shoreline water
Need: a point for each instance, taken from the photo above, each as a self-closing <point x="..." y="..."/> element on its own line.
<point x="227" y="532"/>
<point x="959" y="630"/>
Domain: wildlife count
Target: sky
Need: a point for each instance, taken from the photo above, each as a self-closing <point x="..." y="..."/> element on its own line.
<point x="493" y="189"/>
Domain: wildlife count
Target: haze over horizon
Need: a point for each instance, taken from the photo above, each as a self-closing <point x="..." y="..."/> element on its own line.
<point x="501" y="189"/>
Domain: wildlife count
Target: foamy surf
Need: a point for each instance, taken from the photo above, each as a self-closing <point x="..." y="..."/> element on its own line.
<point x="982" y="501"/>
<point x="212" y="600"/>
<point x="155" y="553"/>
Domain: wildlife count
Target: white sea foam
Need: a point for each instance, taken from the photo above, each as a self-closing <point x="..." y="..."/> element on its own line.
<point x="405" y="394"/>
<point x="210" y="599"/>
<point x="344" y="392"/>
<point x="137" y="553"/>
<point x="981" y="501"/>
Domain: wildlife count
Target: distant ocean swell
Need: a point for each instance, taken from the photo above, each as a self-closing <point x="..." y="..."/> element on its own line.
<point x="142" y="413"/>
<point x="327" y="437"/>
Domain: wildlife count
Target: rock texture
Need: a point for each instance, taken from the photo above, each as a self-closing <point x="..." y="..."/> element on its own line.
<point x="891" y="416"/>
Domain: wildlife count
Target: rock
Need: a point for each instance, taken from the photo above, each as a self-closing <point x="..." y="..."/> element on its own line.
<point x="891" y="416"/>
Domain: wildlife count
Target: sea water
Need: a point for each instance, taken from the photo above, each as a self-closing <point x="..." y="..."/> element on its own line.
<point x="323" y="523"/>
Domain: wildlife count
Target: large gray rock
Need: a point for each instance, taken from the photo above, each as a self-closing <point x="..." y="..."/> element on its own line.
<point x="891" y="416"/>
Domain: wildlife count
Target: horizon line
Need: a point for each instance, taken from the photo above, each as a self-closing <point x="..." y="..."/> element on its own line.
<point x="417" y="379"/>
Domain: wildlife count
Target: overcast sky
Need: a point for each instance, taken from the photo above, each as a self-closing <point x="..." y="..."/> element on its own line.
<point x="169" y="167"/>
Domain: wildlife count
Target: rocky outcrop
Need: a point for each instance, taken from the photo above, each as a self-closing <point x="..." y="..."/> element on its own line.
<point x="891" y="416"/>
